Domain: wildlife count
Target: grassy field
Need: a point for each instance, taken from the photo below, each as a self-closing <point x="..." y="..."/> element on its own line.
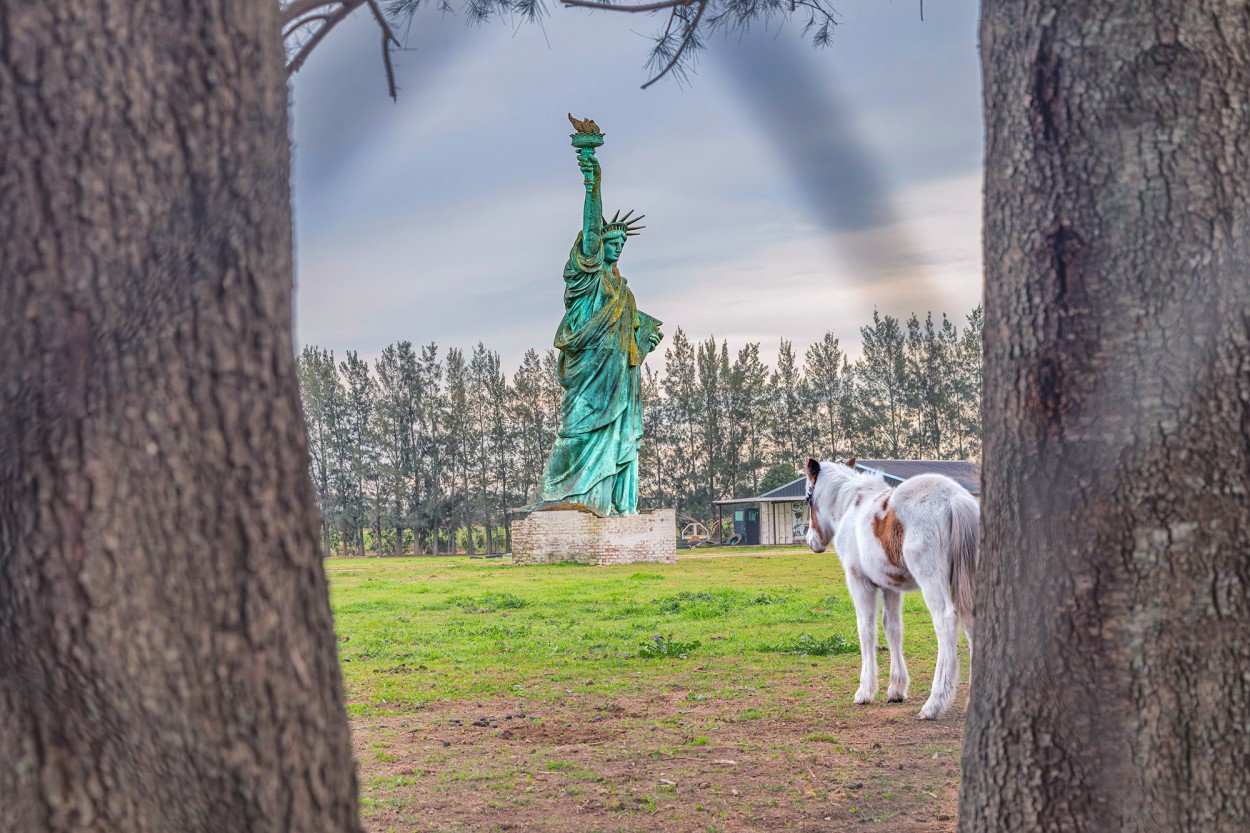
<point x="705" y="695"/>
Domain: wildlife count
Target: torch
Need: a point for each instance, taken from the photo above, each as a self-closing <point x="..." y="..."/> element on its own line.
<point x="588" y="136"/>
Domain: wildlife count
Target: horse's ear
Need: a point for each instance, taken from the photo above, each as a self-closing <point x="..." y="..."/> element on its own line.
<point x="813" y="469"/>
<point x="850" y="464"/>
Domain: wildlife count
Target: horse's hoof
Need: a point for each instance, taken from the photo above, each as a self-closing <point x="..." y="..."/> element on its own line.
<point x="896" y="698"/>
<point x="864" y="699"/>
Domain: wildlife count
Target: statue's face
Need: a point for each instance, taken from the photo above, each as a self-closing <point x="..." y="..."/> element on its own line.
<point x="612" y="248"/>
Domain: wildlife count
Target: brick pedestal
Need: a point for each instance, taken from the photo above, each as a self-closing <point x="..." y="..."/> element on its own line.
<point x="577" y="534"/>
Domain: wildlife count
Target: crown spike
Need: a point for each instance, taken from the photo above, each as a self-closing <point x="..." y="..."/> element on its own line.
<point x="627" y="224"/>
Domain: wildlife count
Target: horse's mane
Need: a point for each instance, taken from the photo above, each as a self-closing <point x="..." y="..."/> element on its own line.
<point x="854" y="483"/>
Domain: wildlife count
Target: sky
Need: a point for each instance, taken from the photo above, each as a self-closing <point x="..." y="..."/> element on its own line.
<point x="789" y="190"/>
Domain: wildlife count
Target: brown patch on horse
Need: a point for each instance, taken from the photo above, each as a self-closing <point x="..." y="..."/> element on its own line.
<point x="889" y="533"/>
<point x="896" y="577"/>
<point x="850" y="464"/>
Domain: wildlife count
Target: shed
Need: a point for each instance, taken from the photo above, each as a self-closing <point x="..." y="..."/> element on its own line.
<point x="776" y="517"/>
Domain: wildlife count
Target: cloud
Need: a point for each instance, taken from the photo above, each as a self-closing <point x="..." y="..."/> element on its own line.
<point x="802" y="115"/>
<point x="796" y="290"/>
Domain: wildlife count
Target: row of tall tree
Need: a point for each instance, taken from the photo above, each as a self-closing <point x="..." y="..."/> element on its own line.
<point x="425" y="451"/>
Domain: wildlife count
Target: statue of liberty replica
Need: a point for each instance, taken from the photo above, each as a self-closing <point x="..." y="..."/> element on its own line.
<point x="603" y="340"/>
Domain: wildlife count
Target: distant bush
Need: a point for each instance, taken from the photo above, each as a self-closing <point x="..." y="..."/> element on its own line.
<point x="685" y="601"/>
<point x="810" y="646"/>
<point x="488" y="602"/>
<point x="707" y="605"/>
<point x="660" y="646"/>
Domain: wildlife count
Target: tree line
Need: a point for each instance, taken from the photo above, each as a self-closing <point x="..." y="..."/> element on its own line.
<point x="425" y="451"/>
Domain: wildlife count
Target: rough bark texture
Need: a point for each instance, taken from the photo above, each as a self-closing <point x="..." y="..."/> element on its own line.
<point x="1111" y="687"/>
<point x="167" y="660"/>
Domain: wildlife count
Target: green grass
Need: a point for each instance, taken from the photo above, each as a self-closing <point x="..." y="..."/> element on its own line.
<point x="417" y="630"/>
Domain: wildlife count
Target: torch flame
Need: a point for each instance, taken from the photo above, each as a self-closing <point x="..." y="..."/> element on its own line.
<point x="585" y="126"/>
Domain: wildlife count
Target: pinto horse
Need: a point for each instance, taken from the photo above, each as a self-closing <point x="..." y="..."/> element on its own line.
<point x="924" y="534"/>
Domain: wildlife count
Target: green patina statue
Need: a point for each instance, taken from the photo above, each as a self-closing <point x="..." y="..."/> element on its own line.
<point x="602" y="340"/>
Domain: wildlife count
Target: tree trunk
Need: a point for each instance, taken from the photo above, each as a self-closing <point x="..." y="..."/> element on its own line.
<point x="1111" y="688"/>
<point x="168" y="659"/>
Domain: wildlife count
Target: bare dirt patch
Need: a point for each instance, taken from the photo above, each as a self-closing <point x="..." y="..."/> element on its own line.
<point x="660" y="761"/>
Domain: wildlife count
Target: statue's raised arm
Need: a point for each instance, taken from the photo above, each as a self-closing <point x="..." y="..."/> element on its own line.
<point x="587" y="138"/>
<point x="592" y="214"/>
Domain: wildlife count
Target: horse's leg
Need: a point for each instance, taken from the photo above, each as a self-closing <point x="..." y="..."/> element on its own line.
<point x="893" y="620"/>
<point x="937" y="596"/>
<point x="864" y="594"/>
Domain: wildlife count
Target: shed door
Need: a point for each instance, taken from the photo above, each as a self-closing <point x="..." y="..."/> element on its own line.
<point x="747" y="524"/>
<point x="751" y="535"/>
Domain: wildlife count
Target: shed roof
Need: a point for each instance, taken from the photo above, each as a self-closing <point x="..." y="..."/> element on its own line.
<point x="964" y="473"/>
<point x="794" y="490"/>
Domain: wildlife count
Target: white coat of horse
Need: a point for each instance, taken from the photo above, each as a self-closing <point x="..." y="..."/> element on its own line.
<point x="923" y="534"/>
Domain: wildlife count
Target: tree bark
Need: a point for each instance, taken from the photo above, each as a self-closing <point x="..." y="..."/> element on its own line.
<point x="1111" y="689"/>
<point x="168" y="659"/>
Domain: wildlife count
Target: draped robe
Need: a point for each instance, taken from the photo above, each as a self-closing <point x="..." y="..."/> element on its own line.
<point x="602" y="340"/>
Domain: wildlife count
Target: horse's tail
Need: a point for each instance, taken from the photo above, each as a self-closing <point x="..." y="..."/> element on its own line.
<point x="965" y="546"/>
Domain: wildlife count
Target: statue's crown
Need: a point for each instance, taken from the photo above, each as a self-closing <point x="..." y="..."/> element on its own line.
<point x="623" y="225"/>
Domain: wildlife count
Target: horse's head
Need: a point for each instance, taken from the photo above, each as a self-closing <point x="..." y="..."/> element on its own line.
<point x="824" y="486"/>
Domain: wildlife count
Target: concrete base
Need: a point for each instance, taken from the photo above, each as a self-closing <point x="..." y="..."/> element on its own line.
<point x="574" y="533"/>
